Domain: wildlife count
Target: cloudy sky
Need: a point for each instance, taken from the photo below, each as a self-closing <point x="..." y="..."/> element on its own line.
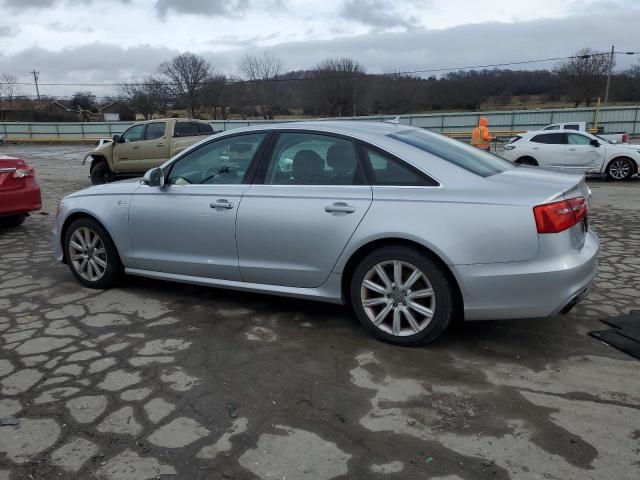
<point x="109" y="41"/>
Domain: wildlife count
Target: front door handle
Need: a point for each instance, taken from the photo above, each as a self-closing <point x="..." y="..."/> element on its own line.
<point x="160" y="145"/>
<point x="226" y="204"/>
<point x="135" y="147"/>
<point x="572" y="149"/>
<point x="339" y="207"/>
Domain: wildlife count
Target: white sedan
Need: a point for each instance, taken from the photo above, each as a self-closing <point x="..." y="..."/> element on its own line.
<point x="577" y="151"/>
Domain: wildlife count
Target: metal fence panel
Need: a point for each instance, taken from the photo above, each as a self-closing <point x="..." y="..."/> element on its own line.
<point x="613" y="119"/>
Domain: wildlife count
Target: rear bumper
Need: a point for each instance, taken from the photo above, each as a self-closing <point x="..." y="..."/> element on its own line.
<point x="20" y="200"/>
<point x="532" y="289"/>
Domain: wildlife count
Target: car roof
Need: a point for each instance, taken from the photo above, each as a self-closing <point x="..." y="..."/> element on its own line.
<point x="354" y="128"/>
<point x="547" y="132"/>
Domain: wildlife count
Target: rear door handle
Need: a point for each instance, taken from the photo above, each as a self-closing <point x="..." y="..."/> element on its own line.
<point x="339" y="207"/>
<point x="572" y="149"/>
<point x="226" y="204"/>
<point x="160" y="145"/>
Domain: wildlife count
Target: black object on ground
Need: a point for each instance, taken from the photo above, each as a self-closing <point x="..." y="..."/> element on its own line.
<point x="233" y="412"/>
<point x="625" y="336"/>
<point x="6" y="421"/>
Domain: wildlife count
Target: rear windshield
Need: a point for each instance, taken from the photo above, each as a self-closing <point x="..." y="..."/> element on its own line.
<point x="461" y="154"/>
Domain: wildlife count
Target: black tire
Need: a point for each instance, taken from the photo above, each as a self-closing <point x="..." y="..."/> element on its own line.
<point x="13" y="220"/>
<point x="101" y="173"/>
<point x="620" y="169"/>
<point x="113" y="269"/>
<point x="527" y="161"/>
<point x="433" y="274"/>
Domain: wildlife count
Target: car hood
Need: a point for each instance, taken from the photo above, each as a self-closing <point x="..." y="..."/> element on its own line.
<point x="537" y="185"/>
<point x="122" y="187"/>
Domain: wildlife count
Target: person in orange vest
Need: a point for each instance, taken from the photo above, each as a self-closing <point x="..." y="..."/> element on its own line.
<point x="481" y="137"/>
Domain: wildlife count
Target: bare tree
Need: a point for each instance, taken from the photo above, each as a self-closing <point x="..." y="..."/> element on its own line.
<point x="8" y="87"/>
<point x="147" y="96"/>
<point x="263" y="72"/>
<point x="187" y="73"/>
<point x="213" y="90"/>
<point x="84" y="100"/>
<point x="339" y="83"/>
<point x="586" y="73"/>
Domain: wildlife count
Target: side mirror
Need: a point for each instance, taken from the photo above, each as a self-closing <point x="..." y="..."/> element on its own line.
<point x="595" y="143"/>
<point x="154" y="177"/>
<point x="116" y="139"/>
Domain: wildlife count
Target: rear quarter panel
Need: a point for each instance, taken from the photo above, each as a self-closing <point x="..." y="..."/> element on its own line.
<point x="461" y="226"/>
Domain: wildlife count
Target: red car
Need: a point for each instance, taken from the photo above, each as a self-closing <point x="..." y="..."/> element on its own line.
<point x="19" y="191"/>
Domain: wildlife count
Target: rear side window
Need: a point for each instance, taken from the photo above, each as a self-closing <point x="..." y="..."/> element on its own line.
<point x="550" y="138"/>
<point x="552" y="127"/>
<point x="205" y="129"/>
<point x="458" y="153"/>
<point x="190" y="129"/>
<point x="572" y="126"/>
<point x="391" y="172"/>
<point x="154" y="130"/>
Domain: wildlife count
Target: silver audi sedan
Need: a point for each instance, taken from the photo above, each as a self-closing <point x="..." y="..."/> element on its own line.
<point x="409" y="227"/>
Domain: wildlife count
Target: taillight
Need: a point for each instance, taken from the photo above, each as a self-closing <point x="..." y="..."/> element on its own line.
<point x="625" y="138"/>
<point x="558" y="216"/>
<point x="24" y="172"/>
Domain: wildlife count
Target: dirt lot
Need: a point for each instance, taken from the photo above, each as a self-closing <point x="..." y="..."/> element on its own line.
<point x="160" y="380"/>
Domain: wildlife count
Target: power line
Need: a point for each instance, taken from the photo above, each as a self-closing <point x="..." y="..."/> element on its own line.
<point x="329" y="77"/>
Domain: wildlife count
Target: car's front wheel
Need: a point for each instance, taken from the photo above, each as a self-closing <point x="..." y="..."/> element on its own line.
<point x="402" y="296"/>
<point x="620" y="169"/>
<point x="101" y="173"/>
<point x="91" y="254"/>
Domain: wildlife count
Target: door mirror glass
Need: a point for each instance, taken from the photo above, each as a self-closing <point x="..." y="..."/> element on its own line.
<point x="154" y="177"/>
<point x="116" y="139"/>
<point x="595" y="143"/>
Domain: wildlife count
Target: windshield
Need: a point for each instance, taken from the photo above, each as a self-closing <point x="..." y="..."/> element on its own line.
<point x="454" y="151"/>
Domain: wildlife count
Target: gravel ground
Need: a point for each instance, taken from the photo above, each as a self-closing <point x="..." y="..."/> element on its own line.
<point x="161" y="380"/>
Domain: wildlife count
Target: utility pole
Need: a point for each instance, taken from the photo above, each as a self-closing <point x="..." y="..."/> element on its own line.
<point x="35" y="79"/>
<point x="606" y="92"/>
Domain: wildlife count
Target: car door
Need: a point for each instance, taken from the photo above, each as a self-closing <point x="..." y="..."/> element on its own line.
<point x="549" y="149"/>
<point x="309" y="197"/>
<point x="154" y="147"/>
<point x="126" y="152"/>
<point x="581" y="154"/>
<point x="188" y="226"/>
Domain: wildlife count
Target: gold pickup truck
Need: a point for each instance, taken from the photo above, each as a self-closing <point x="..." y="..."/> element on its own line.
<point x="142" y="146"/>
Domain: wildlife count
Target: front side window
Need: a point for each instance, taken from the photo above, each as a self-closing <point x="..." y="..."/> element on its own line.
<point x="456" y="152"/>
<point x="550" y="138"/>
<point x="134" y="134"/>
<point x="388" y="171"/>
<point x="577" y="139"/>
<point x="224" y="162"/>
<point x="313" y="159"/>
<point x="154" y="131"/>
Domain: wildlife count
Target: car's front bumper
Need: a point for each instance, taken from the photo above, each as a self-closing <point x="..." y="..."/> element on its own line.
<point x="537" y="288"/>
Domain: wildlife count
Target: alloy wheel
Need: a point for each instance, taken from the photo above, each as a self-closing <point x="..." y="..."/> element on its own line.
<point x="87" y="254"/>
<point x="398" y="298"/>
<point x="619" y="169"/>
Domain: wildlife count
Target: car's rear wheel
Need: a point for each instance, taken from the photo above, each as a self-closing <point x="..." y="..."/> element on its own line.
<point x="101" y="173"/>
<point x="91" y="254"/>
<point x="13" y="220"/>
<point x="620" y="169"/>
<point x="527" y="161"/>
<point x="401" y="296"/>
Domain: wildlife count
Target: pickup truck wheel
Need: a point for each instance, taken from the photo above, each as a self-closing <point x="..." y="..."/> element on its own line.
<point x="101" y="173"/>
<point x="620" y="168"/>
